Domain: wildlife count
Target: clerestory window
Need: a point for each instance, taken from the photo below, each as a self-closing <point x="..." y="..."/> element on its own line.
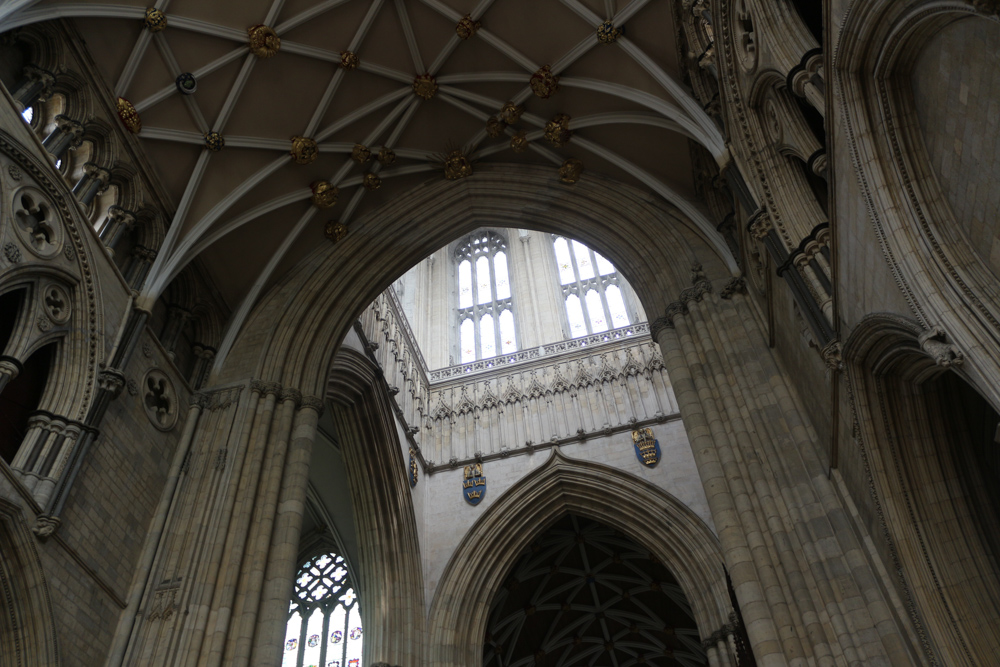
<point x="485" y="308"/>
<point x="591" y="289"/>
<point x="324" y="621"/>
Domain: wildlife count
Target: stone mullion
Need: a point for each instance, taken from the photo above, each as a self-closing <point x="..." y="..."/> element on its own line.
<point x="262" y="523"/>
<point x="820" y="494"/>
<point x="704" y="430"/>
<point x="36" y="87"/>
<point x="749" y="490"/>
<point x="226" y="599"/>
<point x="283" y="557"/>
<point x="786" y="545"/>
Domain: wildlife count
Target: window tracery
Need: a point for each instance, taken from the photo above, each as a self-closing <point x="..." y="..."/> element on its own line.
<point x="485" y="306"/>
<point x="324" y="618"/>
<point x="591" y="289"/>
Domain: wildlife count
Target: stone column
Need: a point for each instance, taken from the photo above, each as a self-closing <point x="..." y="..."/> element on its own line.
<point x="283" y="559"/>
<point x="119" y="222"/>
<point x="177" y="319"/>
<point x="36" y="87"/>
<point x="9" y="369"/>
<point x="142" y="261"/>
<point x="68" y="134"/>
<point x="204" y="356"/>
<point x="94" y="182"/>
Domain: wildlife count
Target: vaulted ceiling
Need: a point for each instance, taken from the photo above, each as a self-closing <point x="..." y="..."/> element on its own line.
<point x="246" y="209"/>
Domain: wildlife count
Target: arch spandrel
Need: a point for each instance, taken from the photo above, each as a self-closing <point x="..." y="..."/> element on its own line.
<point x="648" y="515"/>
<point x="293" y="332"/>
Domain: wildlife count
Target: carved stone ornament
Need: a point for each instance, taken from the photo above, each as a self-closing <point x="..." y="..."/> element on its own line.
<point x="457" y="166"/>
<point x="68" y="252"/>
<point x="12" y="252"/>
<point x="466" y="27"/>
<point x="155" y="20"/>
<point x="833" y="355"/>
<point x="361" y="154"/>
<point x="510" y="113"/>
<point x="36" y="222"/>
<point x="349" y="60"/>
<point x="159" y="399"/>
<point x="990" y="7"/>
<point x="324" y="194"/>
<point x="264" y="42"/>
<point x="186" y="83"/>
<point x="335" y="231"/>
<point x="935" y="343"/>
<point x="44" y="323"/>
<point x="214" y="142"/>
<point x="371" y="182"/>
<point x="519" y="142"/>
<point x="57" y="304"/>
<point x="45" y="526"/>
<point x="386" y="156"/>
<point x="557" y="130"/>
<point x="425" y="86"/>
<point x="760" y="223"/>
<point x="133" y="387"/>
<point x="128" y="115"/>
<point x="414" y="470"/>
<point x="543" y="82"/>
<point x="304" y="150"/>
<point x="732" y="287"/>
<point x="607" y="33"/>
<point x="571" y="170"/>
<point x="14" y="171"/>
<point x="494" y="127"/>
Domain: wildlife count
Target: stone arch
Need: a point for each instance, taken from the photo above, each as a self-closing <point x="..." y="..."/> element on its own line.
<point x="649" y="242"/>
<point x="389" y="577"/>
<point x="938" y="273"/>
<point x="917" y="445"/>
<point x="27" y="629"/>
<point x="648" y="515"/>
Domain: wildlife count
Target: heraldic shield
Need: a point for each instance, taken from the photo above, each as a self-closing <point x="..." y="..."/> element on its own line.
<point x="414" y="471"/>
<point x="647" y="449"/>
<point x="474" y="484"/>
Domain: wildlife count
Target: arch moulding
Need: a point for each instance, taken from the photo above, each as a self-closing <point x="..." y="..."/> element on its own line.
<point x="648" y="515"/>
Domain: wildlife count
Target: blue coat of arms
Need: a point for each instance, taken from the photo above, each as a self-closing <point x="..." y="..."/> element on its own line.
<point x="414" y="470"/>
<point x="647" y="448"/>
<point x="474" y="484"/>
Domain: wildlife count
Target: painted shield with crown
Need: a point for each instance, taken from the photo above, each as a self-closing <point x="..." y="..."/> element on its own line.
<point x="474" y="484"/>
<point x="647" y="448"/>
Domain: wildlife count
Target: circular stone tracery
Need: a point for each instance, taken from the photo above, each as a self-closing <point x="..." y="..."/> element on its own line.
<point x="584" y="594"/>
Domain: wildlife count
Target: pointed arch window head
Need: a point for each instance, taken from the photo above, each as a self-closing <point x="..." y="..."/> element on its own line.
<point x="324" y="619"/>
<point x="591" y="289"/>
<point x="486" y="318"/>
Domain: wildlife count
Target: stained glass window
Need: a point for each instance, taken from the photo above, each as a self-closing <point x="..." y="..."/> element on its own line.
<point x="485" y="307"/>
<point x="591" y="289"/>
<point x="324" y="620"/>
<point x="28" y="115"/>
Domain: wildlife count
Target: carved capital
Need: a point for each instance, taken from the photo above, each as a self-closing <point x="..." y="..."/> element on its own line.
<point x="696" y="292"/>
<point x="119" y="215"/>
<point x="935" y="343"/>
<point x="673" y="310"/>
<point x="265" y="388"/>
<point x="313" y="403"/>
<point x="658" y="325"/>
<point x="289" y="394"/>
<point x="200" y="399"/>
<point x="111" y="380"/>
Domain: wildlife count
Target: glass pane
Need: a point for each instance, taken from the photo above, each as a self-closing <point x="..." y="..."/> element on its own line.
<point x="583" y="260"/>
<point x="500" y="269"/>
<point x="465" y="284"/>
<point x="335" y="649"/>
<point x="577" y="325"/>
<point x="28" y="114"/>
<point x="314" y="636"/>
<point x="483" y="280"/>
<point x="562" y="259"/>
<point x="616" y="304"/>
<point x="507" y="341"/>
<point x="604" y="267"/>
<point x="354" y="633"/>
<point x="598" y="323"/>
<point x="468" y="341"/>
<point x="487" y="338"/>
<point x="290" y="651"/>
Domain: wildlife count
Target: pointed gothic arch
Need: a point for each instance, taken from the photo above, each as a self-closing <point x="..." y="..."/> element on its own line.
<point x="646" y="514"/>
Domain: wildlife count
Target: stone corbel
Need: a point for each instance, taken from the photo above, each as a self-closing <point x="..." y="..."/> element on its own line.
<point x="45" y="526"/>
<point x="832" y="354"/>
<point x="760" y="223"/>
<point x="111" y="380"/>
<point x="934" y="342"/>
<point x="735" y="285"/>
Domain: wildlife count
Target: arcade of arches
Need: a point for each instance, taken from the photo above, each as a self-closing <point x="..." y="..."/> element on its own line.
<point x="518" y="334"/>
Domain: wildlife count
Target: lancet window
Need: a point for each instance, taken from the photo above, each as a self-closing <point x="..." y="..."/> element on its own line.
<point x="485" y="307"/>
<point x="324" y="621"/>
<point x="591" y="289"/>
